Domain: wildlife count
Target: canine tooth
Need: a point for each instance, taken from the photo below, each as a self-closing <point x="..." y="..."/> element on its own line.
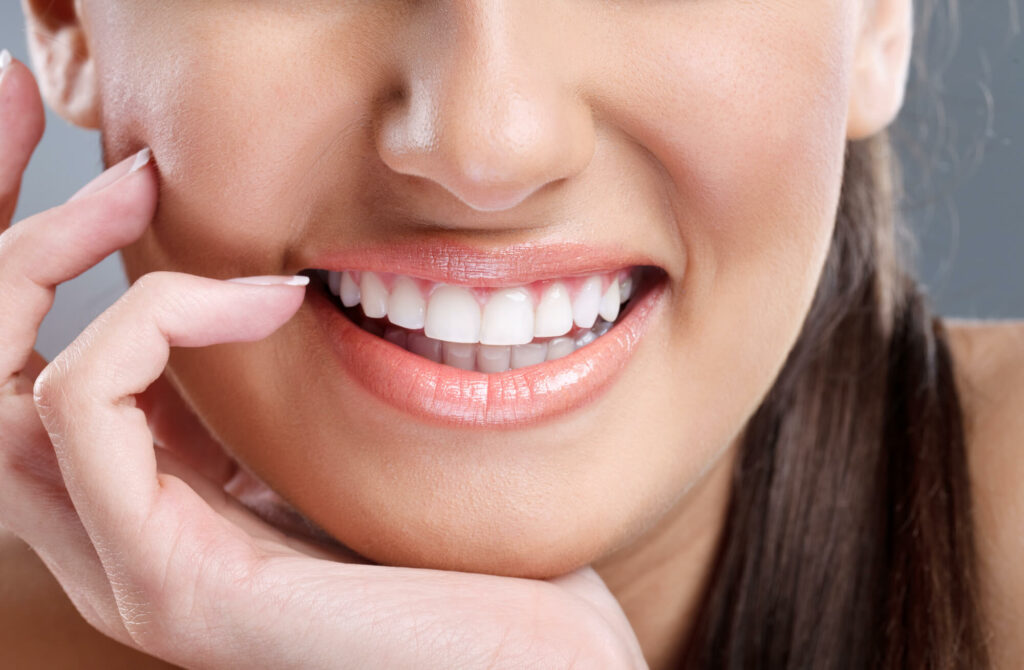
<point x="587" y="303"/>
<point x="528" y="354"/>
<point x="460" y="355"/>
<point x="491" y="359"/>
<point x="334" y="282"/>
<point x="453" y="315"/>
<point x="554" y="312"/>
<point x="350" y="293"/>
<point x="374" y="296"/>
<point x="560" y="347"/>
<point x="609" y="309"/>
<point x="406" y="306"/>
<point x="507" y="318"/>
<point x="420" y="344"/>
<point x="396" y="336"/>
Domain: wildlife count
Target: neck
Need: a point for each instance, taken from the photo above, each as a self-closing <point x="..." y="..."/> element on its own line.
<point x="659" y="578"/>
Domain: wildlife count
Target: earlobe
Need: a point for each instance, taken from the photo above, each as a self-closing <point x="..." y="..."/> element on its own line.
<point x="881" y="64"/>
<point x="63" y="61"/>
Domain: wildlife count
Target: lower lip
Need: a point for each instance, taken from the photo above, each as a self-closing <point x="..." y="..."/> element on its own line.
<point x="447" y="395"/>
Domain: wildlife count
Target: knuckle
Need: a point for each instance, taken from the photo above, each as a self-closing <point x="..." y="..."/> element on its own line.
<point x="52" y="388"/>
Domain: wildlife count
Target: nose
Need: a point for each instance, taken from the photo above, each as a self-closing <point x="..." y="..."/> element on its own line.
<point x="489" y="111"/>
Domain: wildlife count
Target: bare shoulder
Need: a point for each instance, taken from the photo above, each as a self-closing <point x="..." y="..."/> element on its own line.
<point x="40" y="628"/>
<point x="989" y="361"/>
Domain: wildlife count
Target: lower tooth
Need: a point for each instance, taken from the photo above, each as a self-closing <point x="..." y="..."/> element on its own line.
<point x="460" y="355"/>
<point x="493" y="358"/>
<point x="485" y="358"/>
<point x="602" y="327"/>
<point x="396" y="336"/>
<point x="424" y="346"/>
<point x="528" y="354"/>
<point x="560" y="347"/>
<point x="585" y="339"/>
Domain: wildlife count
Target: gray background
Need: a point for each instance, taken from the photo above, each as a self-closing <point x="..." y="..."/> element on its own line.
<point x="961" y="137"/>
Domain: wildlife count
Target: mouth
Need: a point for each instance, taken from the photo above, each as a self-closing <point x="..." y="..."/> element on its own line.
<point x="489" y="355"/>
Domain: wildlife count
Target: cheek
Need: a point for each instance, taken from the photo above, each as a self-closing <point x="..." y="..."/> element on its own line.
<point x="239" y="139"/>
<point x="745" y="110"/>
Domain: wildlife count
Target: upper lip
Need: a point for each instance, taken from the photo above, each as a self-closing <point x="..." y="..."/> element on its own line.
<point x="456" y="263"/>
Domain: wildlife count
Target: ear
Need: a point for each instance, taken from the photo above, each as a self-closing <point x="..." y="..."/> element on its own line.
<point x="880" y="66"/>
<point x="63" y="61"/>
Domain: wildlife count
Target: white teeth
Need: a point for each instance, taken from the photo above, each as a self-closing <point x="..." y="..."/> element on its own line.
<point x="350" y="293"/>
<point x="508" y="318"/>
<point x="460" y="355"/>
<point x="374" y="296"/>
<point x="421" y="345"/>
<point x="406" y="307"/>
<point x="492" y="359"/>
<point x="528" y="354"/>
<point x="587" y="303"/>
<point x="609" y="309"/>
<point x="453" y="315"/>
<point x="554" y="312"/>
<point x="450" y="326"/>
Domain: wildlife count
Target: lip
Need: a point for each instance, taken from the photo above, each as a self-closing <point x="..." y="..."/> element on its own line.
<point x="449" y="263"/>
<point x="449" y="396"/>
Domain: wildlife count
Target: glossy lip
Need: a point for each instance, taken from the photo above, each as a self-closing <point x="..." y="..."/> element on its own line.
<point x="448" y="263"/>
<point x="450" y="396"/>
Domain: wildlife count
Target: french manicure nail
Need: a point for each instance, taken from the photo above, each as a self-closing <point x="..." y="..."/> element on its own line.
<point x="273" y="280"/>
<point x="141" y="160"/>
<point x="114" y="173"/>
<point x="5" y="60"/>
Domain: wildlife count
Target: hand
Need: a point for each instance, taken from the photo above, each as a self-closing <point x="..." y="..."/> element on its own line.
<point x="144" y="539"/>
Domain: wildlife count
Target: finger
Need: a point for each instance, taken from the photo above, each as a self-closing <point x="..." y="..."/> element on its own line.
<point x="21" y="126"/>
<point x="59" y="244"/>
<point x="85" y="396"/>
<point x="176" y="428"/>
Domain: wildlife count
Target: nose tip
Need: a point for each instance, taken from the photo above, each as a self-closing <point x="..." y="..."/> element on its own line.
<point x="491" y="141"/>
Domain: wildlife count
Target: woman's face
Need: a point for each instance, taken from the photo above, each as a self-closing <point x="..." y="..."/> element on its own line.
<point x="488" y="144"/>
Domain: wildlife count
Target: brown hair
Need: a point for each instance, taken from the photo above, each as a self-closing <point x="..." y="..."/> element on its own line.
<point x="848" y="541"/>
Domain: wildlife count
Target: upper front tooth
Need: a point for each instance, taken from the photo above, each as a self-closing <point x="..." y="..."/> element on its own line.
<point x="453" y="315"/>
<point x="609" y="309"/>
<point x="374" y="296"/>
<point x="554" y="312"/>
<point x="508" y="318"/>
<point x="334" y="282"/>
<point x="406" y="306"/>
<point x="587" y="303"/>
<point x="350" y="293"/>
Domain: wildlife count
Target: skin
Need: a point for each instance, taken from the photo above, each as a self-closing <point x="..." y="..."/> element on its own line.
<point x="673" y="117"/>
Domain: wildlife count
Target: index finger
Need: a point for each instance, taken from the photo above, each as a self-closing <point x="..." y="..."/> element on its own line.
<point x="85" y="396"/>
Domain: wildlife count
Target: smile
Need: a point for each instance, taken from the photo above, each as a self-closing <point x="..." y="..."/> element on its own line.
<point x="491" y="354"/>
<point x="486" y="330"/>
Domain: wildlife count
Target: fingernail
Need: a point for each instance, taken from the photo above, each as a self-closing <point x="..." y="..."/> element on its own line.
<point x="115" y="172"/>
<point x="273" y="280"/>
<point x="5" y="61"/>
<point x="141" y="160"/>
